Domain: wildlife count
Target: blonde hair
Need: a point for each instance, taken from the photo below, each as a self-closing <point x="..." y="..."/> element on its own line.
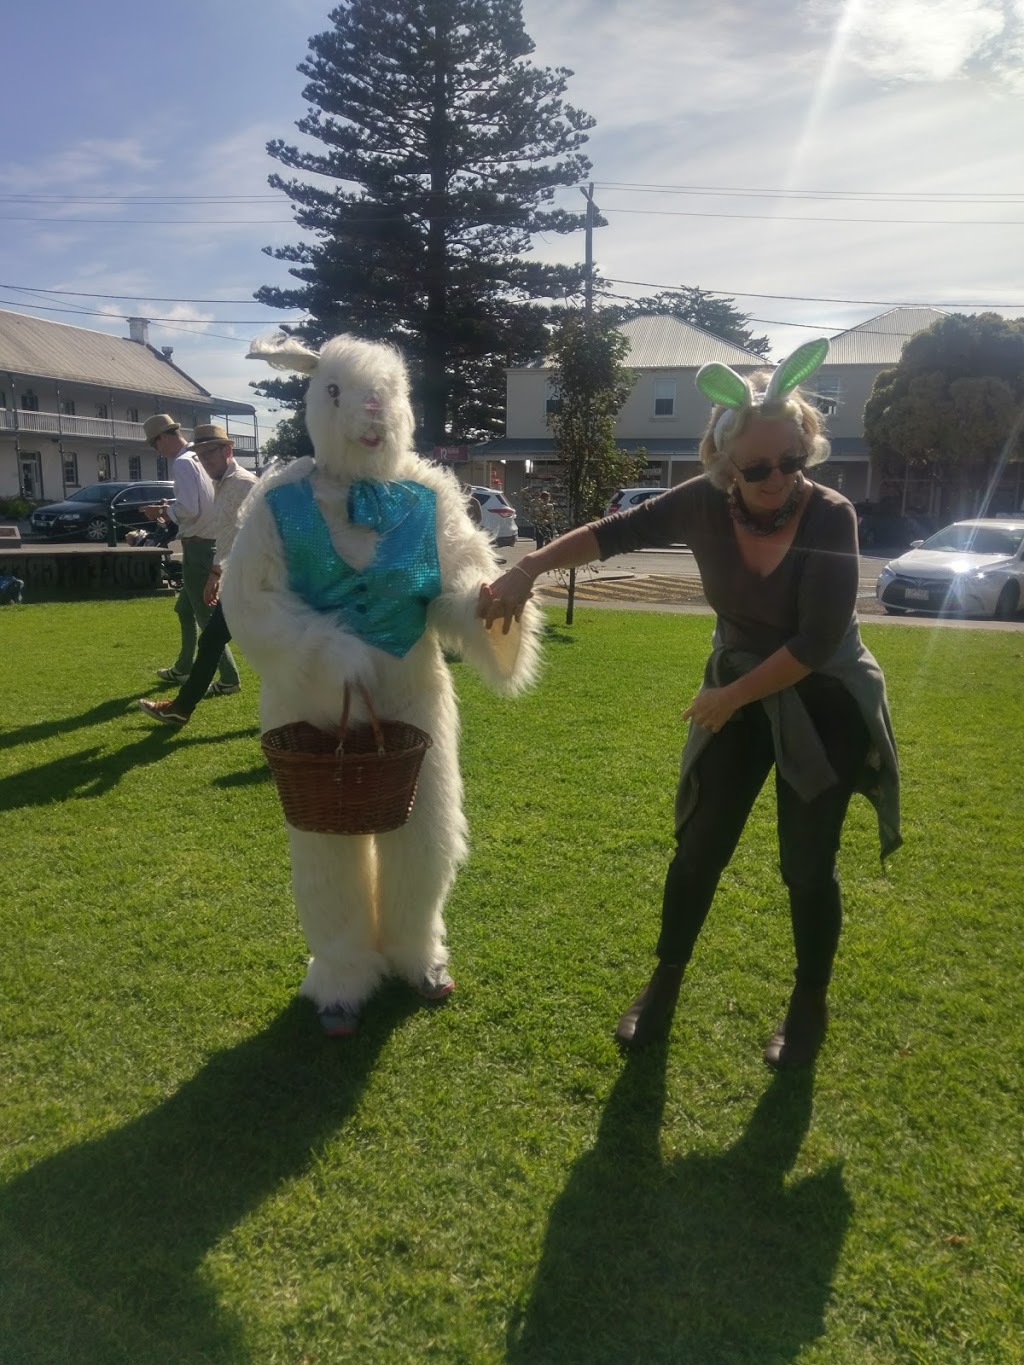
<point x="807" y="418"/>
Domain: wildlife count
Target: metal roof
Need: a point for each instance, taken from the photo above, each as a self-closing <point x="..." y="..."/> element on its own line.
<point x="880" y="341"/>
<point x="659" y="341"/>
<point x="40" y="349"/>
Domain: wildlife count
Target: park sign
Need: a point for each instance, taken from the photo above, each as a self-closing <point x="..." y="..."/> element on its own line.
<point x="450" y="454"/>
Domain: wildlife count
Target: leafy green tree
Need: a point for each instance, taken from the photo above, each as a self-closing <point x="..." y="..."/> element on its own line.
<point x="954" y="404"/>
<point x="442" y="148"/>
<point x="290" y="440"/>
<point x="592" y="384"/>
<point x="700" y="309"/>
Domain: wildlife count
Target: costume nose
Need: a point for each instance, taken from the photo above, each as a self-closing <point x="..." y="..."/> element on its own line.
<point x="373" y="405"/>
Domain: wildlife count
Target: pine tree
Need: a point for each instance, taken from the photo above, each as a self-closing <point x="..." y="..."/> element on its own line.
<point x="455" y="144"/>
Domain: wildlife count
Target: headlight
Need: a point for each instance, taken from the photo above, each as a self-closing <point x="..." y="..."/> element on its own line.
<point x="886" y="576"/>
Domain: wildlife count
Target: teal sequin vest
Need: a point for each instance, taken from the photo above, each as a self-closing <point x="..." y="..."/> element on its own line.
<point x="386" y="603"/>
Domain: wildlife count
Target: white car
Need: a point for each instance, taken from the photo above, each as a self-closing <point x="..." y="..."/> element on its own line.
<point x="974" y="567"/>
<point x="625" y="498"/>
<point x="497" y="515"/>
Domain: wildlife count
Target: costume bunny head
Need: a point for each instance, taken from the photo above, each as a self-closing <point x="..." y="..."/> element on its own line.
<point x="737" y="398"/>
<point x="358" y="411"/>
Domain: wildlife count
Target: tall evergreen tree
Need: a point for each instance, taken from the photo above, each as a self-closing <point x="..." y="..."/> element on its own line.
<point x="697" y="306"/>
<point x="446" y="146"/>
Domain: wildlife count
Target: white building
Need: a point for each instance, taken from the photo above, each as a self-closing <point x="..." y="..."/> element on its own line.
<point x="666" y="415"/>
<point x="73" y="401"/>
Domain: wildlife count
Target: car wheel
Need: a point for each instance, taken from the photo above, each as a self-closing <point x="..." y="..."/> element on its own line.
<point x="1007" y="602"/>
<point x="96" y="530"/>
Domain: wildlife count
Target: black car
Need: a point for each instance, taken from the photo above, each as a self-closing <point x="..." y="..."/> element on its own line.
<point x="86" y="515"/>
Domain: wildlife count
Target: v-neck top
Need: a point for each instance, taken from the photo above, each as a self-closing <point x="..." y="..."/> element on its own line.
<point x="806" y="603"/>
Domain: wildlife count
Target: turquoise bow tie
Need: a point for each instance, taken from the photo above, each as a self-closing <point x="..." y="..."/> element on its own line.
<point x="380" y="506"/>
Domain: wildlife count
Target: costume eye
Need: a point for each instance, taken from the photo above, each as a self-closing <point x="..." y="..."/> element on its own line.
<point x="333" y="390"/>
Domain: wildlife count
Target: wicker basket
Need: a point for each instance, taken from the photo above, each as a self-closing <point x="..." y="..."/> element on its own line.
<point x="355" y="780"/>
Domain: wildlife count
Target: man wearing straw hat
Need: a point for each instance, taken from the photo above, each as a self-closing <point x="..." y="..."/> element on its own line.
<point x="231" y="484"/>
<point x="192" y="510"/>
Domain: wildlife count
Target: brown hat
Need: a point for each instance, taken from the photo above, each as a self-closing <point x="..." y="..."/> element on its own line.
<point x="208" y="435"/>
<point x="159" y="426"/>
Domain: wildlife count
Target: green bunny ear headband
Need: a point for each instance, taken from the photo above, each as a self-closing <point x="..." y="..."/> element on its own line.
<point x="731" y="391"/>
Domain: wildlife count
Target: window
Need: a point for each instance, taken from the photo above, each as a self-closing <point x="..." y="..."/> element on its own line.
<point x="103" y="467"/>
<point x="70" y="470"/>
<point x="664" y="398"/>
<point x="29" y="402"/>
<point x="133" y="414"/>
<point x="67" y="407"/>
<point x="161" y="466"/>
<point x="135" y="467"/>
<point x="827" y="394"/>
<point x="101" y="410"/>
<point x="552" y="398"/>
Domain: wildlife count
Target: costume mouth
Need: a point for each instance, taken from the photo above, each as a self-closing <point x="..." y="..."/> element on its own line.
<point x="372" y="440"/>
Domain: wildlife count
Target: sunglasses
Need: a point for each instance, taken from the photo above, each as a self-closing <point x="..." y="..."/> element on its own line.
<point x="757" y="473"/>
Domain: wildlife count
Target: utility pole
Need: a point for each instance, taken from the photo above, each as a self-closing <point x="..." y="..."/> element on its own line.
<point x="588" y="257"/>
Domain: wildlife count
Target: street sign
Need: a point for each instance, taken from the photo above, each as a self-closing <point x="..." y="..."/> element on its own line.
<point x="451" y="454"/>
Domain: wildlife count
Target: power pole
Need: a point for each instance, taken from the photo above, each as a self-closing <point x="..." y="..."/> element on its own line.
<point x="588" y="257"/>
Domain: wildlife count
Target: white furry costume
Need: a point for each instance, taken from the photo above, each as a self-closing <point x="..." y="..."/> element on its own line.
<point x="369" y="904"/>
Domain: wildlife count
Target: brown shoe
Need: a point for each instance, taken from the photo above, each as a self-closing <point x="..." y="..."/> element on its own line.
<point x="798" y="1038"/>
<point x="650" y="1015"/>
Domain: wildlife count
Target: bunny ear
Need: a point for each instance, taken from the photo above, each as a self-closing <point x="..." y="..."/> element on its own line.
<point x="723" y="386"/>
<point x="796" y="368"/>
<point x="283" y="353"/>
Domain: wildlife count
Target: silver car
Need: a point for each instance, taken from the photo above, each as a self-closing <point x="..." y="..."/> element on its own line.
<point x="973" y="567"/>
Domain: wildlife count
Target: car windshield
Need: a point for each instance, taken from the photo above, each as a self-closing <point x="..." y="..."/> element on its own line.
<point x="979" y="540"/>
<point x="96" y="492"/>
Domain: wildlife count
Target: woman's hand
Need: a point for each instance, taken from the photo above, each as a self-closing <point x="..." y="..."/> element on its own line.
<point x="505" y="598"/>
<point x="712" y="707"/>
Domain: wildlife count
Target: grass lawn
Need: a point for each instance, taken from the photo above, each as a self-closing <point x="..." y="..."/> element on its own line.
<point x="191" y="1173"/>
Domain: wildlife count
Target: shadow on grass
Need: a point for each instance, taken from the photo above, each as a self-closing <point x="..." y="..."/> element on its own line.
<point x="102" y="1246"/>
<point x="46" y="729"/>
<point x="93" y="772"/>
<point x="700" y="1260"/>
<point x="247" y="777"/>
<point x="558" y="635"/>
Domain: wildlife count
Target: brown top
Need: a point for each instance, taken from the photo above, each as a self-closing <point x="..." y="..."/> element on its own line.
<point x="806" y="603"/>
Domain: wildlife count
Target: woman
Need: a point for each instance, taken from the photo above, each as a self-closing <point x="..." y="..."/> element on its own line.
<point x="788" y="684"/>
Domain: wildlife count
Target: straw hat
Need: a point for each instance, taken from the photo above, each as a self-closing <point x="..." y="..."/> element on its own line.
<point x="208" y="435"/>
<point x="159" y="426"/>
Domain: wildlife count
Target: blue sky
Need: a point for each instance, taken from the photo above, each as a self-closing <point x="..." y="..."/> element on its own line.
<point x="122" y="106"/>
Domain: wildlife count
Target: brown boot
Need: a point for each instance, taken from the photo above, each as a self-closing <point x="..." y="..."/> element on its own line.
<point x="799" y="1037"/>
<point x="650" y="1015"/>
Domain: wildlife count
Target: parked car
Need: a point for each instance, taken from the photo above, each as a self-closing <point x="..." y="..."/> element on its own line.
<point x="975" y="567"/>
<point x="625" y="498"/>
<point x="86" y="515"/>
<point x="498" y="516"/>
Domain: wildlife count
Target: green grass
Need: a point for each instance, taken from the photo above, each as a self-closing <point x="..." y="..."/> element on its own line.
<point x="190" y="1173"/>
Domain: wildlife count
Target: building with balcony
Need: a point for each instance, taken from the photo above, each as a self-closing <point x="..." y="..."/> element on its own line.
<point x="73" y="401"/>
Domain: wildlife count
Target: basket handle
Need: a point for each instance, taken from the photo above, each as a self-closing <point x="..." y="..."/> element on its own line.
<point x="378" y="733"/>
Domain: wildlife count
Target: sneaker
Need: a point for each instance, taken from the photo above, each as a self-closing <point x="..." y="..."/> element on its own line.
<point x="339" y="1020"/>
<point x="223" y="689"/>
<point x="164" y="712"/>
<point x="436" y="984"/>
<point x="171" y="675"/>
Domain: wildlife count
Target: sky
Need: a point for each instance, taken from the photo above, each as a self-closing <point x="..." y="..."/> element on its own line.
<point x="816" y="160"/>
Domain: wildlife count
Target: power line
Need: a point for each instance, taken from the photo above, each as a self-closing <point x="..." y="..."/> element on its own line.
<point x="813" y="218"/>
<point x="883" y="196"/>
<point x="142" y="298"/>
<point x="799" y="298"/>
<point x="221" y="322"/>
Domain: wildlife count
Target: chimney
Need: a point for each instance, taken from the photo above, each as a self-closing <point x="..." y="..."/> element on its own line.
<point x="167" y="352"/>
<point x="138" y="330"/>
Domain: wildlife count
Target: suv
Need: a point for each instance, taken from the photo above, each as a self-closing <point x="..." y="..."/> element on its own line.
<point x="86" y="515"/>
<point x="626" y="498"/>
<point x="498" y="516"/>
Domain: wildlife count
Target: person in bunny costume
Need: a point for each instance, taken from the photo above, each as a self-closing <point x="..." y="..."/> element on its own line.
<point x="359" y="566"/>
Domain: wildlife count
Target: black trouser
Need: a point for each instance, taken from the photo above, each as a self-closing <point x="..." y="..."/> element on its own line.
<point x="214" y="637"/>
<point x="730" y="773"/>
